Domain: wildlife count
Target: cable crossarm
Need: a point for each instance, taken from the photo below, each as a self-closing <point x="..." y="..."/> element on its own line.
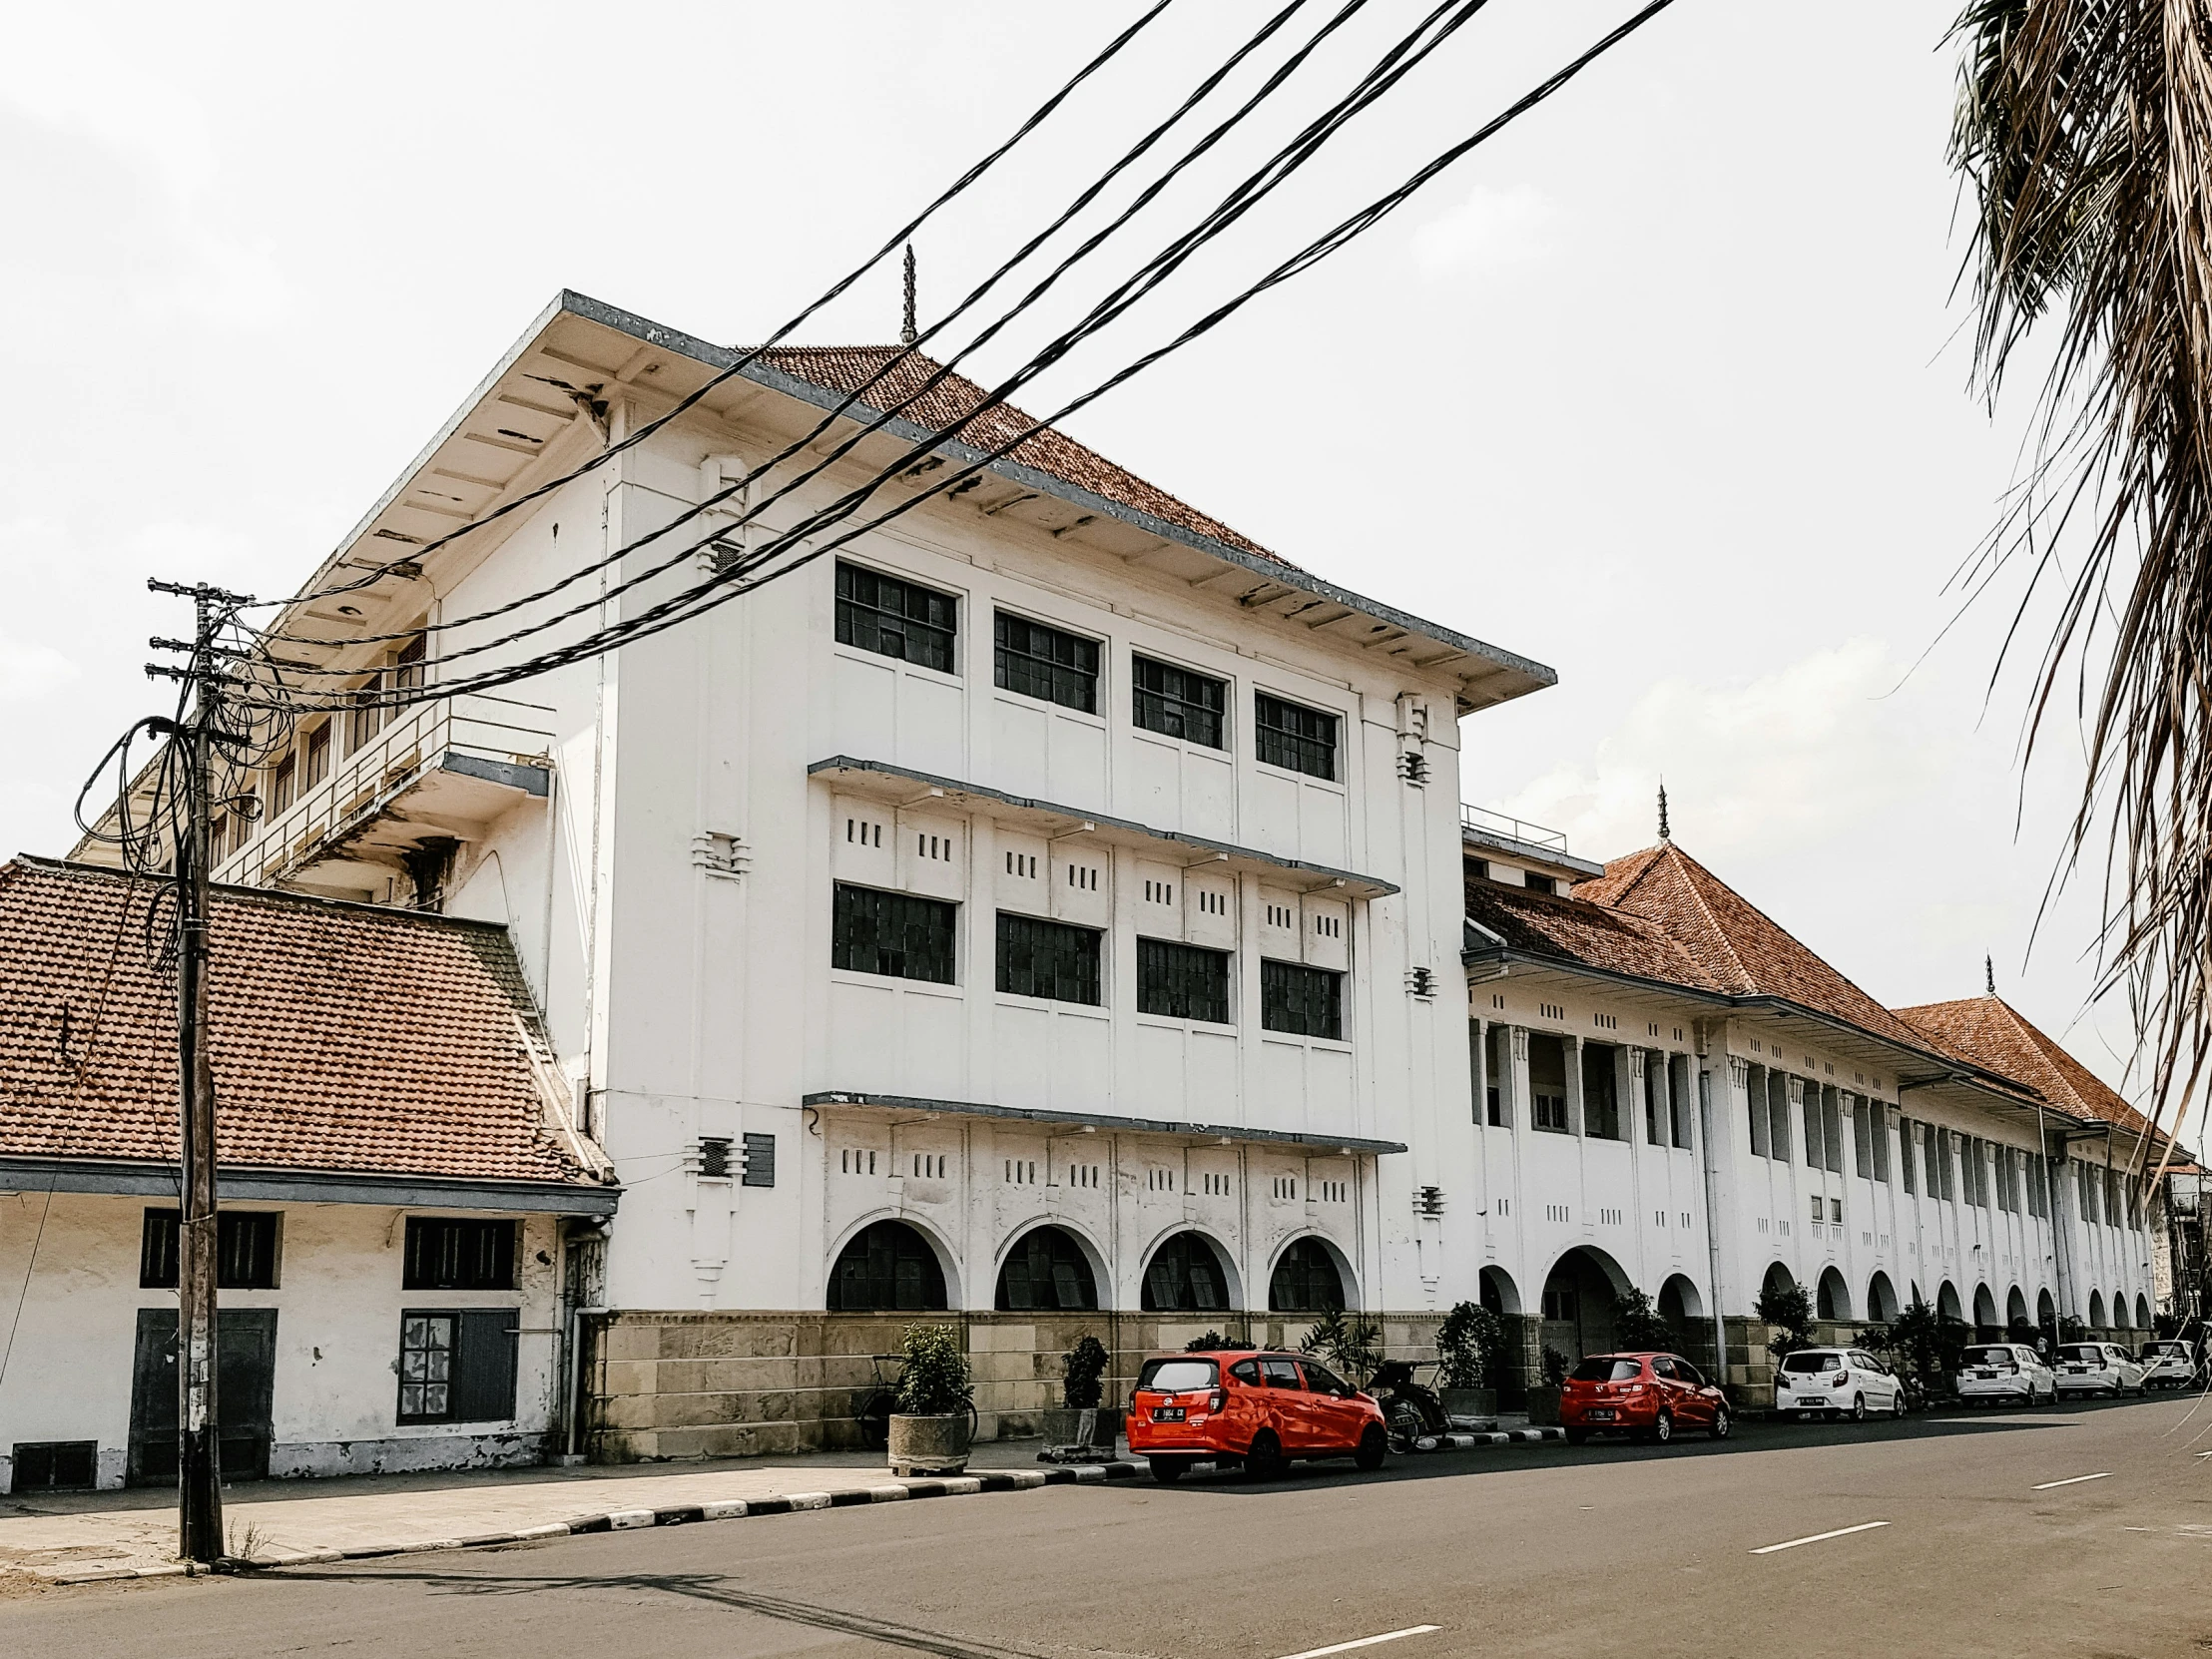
<point x="538" y="492"/>
<point x="906" y="352"/>
<point x="729" y="584"/>
<point x="1398" y="60"/>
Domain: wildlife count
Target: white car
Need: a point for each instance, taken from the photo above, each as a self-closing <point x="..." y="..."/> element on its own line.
<point x="2169" y="1365"/>
<point x="2097" y="1368"/>
<point x="1997" y="1372"/>
<point x="1837" y="1382"/>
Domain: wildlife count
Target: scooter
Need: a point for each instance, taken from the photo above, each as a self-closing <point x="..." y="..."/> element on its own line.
<point x="1410" y="1412"/>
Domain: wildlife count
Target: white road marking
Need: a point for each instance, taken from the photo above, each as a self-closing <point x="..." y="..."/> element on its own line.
<point x="1822" y="1537"/>
<point x="1366" y="1641"/>
<point x="2075" y="1481"/>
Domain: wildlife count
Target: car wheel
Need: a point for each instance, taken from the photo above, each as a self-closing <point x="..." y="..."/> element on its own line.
<point x="1897" y="1405"/>
<point x="1858" y="1408"/>
<point x="1662" y="1428"/>
<point x="1373" y="1444"/>
<point x="1168" y="1471"/>
<point x="1263" y="1457"/>
<point x="1722" y="1423"/>
<point x="1578" y="1437"/>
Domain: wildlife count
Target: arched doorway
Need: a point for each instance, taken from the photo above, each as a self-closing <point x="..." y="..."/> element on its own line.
<point x="1832" y="1297"/>
<point x="2119" y="1310"/>
<point x="1186" y="1276"/>
<point x="1882" y="1299"/>
<point x="2047" y="1310"/>
<point x="2015" y="1309"/>
<point x="1578" y="1302"/>
<point x="1777" y="1280"/>
<point x="1047" y="1271"/>
<point x="1499" y="1294"/>
<point x="2096" y="1309"/>
<point x="2142" y="1311"/>
<point x="886" y="1267"/>
<point x="1680" y="1304"/>
<point x="1306" y="1280"/>
<point x="1984" y="1309"/>
<point x="1947" y="1303"/>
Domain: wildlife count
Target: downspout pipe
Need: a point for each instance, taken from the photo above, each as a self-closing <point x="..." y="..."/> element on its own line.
<point x="1711" y="1226"/>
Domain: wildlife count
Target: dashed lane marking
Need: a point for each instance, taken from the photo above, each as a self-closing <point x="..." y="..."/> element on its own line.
<point x="2073" y="1481"/>
<point x="1366" y="1641"/>
<point x="1821" y="1537"/>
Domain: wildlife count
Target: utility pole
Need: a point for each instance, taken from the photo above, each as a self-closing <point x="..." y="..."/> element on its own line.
<point x="198" y="1459"/>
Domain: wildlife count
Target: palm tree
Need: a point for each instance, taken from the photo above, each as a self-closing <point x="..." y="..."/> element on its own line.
<point x="2084" y="137"/>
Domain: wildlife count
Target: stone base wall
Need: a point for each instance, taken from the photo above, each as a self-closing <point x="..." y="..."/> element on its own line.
<point x="717" y="1385"/>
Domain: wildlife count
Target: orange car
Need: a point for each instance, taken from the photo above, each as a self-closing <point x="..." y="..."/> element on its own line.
<point x="1647" y="1396"/>
<point x="1240" y="1406"/>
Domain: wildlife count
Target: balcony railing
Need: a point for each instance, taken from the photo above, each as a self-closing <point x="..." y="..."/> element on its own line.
<point x="1486" y="822"/>
<point x="494" y="740"/>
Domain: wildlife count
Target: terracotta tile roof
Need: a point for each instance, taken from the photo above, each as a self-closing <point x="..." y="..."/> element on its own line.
<point x="1587" y="935"/>
<point x="1991" y="1033"/>
<point x="847" y="368"/>
<point x="1741" y="948"/>
<point x="345" y="1038"/>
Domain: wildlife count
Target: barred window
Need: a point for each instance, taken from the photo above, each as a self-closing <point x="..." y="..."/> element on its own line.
<point x="1178" y="703"/>
<point x="459" y="1253"/>
<point x="1294" y="737"/>
<point x="1304" y="1002"/>
<point x="244" y="1249"/>
<point x="1046" y="663"/>
<point x="1182" y="982"/>
<point x="1048" y="959"/>
<point x="896" y="619"/>
<point x="891" y="934"/>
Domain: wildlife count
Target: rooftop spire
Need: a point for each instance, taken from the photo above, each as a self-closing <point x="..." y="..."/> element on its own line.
<point x="1990" y="972"/>
<point x="908" y="333"/>
<point x="1663" y="832"/>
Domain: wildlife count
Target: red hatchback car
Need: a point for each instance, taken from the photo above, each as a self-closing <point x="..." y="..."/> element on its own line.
<point x="1239" y="1406"/>
<point x="1647" y="1396"/>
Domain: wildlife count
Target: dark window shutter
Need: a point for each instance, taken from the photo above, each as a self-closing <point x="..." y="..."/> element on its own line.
<point x="484" y="1392"/>
<point x="759" y="1160"/>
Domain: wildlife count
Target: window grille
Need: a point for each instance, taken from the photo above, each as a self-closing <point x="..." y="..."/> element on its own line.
<point x="713" y="1158"/>
<point x="1048" y="959"/>
<point x="1046" y="663"/>
<point x="1177" y="703"/>
<point x="459" y="1253"/>
<point x="1294" y="737"/>
<point x="244" y="1249"/>
<point x="1182" y="982"/>
<point x="1303" y="1001"/>
<point x="895" y="618"/>
<point x="760" y="1161"/>
<point x="891" y="934"/>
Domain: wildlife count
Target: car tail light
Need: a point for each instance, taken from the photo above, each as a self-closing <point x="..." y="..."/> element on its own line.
<point x="1842" y="1378"/>
<point x="1215" y="1400"/>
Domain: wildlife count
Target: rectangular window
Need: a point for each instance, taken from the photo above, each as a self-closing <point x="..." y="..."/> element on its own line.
<point x="451" y="1253"/>
<point x="1181" y="981"/>
<point x="1601" y="1107"/>
<point x="760" y="1161"/>
<point x="1654" y="1112"/>
<point x="244" y="1249"/>
<point x="891" y="934"/>
<point x="1303" y="1001"/>
<point x="1755" y="1093"/>
<point x="1906" y="1159"/>
<point x="1497" y="1072"/>
<point x="1679" y="1085"/>
<point x="316" y="751"/>
<point x="1178" y="703"/>
<point x="1862" y="1139"/>
<point x="1878" y="1134"/>
<point x="1946" y="1170"/>
<point x="1548" y="1081"/>
<point x="1046" y="663"/>
<point x="1048" y="959"/>
<point x="282" y="790"/>
<point x="1832" y="1125"/>
<point x="1808" y="1098"/>
<point x="1294" y="737"/>
<point x="893" y="618"/>
<point x="1778" y="1114"/>
<point x="458" y="1366"/>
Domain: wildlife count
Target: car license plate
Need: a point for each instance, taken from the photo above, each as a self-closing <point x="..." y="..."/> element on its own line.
<point x="1167" y="1413"/>
<point x="1814" y="1400"/>
<point x="1599" y="1414"/>
<point x="1986" y="1375"/>
<point x="2077" y="1370"/>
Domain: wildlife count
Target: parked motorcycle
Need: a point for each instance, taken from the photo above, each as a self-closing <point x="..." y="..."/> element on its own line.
<point x="1410" y="1412"/>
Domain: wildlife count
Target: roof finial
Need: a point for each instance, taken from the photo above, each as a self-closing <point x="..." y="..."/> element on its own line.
<point x="1990" y="972"/>
<point x="1663" y="832"/>
<point x="908" y="333"/>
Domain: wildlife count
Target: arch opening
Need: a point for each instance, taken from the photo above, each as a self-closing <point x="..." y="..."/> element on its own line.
<point x="2096" y="1309"/>
<point x="1882" y="1298"/>
<point x="1308" y="1279"/>
<point x="1047" y="1271"/>
<point x="2119" y="1310"/>
<point x="2047" y="1310"/>
<point x="1579" y="1293"/>
<point x="2144" y="1321"/>
<point x="1185" y="1274"/>
<point x="1832" y="1297"/>
<point x="1948" y="1304"/>
<point x="1777" y="1280"/>
<point x="887" y="1267"/>
<point x="1499" y="1294"/>
<point x="1679" y="1302"/>
<point x="2015" y="1310"/>
<point x="1984" y="1308"/>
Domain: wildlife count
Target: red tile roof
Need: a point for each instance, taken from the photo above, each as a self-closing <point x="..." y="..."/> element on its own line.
<point x="1590" y="934"/>
<point x="1989" y="1031"/>
<point x="844" y="369"/>
<point x="345" y="1038"/>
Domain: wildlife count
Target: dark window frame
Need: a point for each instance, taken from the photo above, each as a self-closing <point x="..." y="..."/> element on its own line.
<point x="926" y="931"/>
<point x="1178" y="701"/>
<point x="1055" y="961"/>
<point x="249" y="1250"/>
<point x="875" y="610"/>
<point x="460" y="1253"/>
<point x="1296" y="737"/>
<point x="1169" y="975"/>
<point x="481" y="1354"/>
<point x="1037" y="660"/>
<point x="1302" y="1001"/>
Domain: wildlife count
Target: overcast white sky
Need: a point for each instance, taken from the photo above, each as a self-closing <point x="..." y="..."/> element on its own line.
<point x="1661" y="389"/>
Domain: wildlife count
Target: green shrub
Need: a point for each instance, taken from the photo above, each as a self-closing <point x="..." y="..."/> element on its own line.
<point x="1471" y="1344"/>
<point x="1555" y="1367"/>
<point x="1082" y="1374"/>
<point x="1350" y="1342"/>
<point x="1200" y="1345"/>
<point x="935" y="1381"/>
<point x="1790" y="1310"/>
<point x="1640" y="1327"/>
<point x="1920" y="1344"/>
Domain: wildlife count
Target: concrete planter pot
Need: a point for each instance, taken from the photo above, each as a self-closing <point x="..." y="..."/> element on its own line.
<point x="928" y="1446"/>
<point x="1469" y="1403"/>
<point x="1544" y="1408"/>
<point x="1064" y="1426"/>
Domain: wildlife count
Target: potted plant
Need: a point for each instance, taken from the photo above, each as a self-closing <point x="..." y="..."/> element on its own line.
<point x="1470" y="1344"/>
<point x="1350" y="1342"/>
<point x="931" y="1427"/>
<point x="1543" y="1402"/>
<point x="1081" y="1420"/>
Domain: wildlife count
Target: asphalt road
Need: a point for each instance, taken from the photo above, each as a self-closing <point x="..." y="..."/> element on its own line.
<point x="1600" y="1551"/>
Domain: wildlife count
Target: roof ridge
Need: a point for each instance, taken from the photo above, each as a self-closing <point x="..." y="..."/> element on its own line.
<point x="1697" y="892"/>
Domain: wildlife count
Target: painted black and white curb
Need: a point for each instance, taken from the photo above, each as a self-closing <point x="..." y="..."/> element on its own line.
<point x="1495" y="1436"/>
